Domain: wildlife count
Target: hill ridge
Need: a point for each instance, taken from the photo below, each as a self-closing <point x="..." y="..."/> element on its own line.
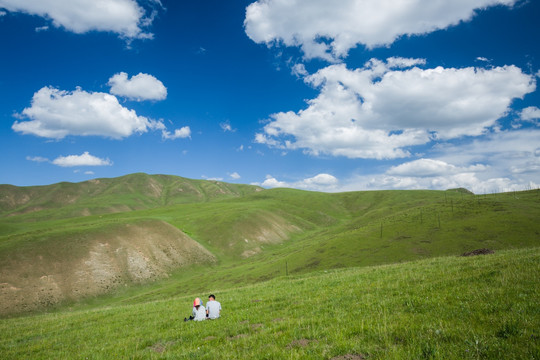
<point x="125" y="193"/>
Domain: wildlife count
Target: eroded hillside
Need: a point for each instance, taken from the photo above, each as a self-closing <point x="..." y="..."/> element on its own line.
<point x="93" y="263"/>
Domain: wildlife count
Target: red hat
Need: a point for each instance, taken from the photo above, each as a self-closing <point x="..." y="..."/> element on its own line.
<point x="196" y="302"/>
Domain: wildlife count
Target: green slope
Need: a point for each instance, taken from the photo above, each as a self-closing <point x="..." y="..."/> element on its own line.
<point x="254" y="234"/>
<point x="109" y="195"/>
<point x="483" y="307"/>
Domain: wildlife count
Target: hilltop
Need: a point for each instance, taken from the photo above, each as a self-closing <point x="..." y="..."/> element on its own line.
<point x="109" y="195"/>
<point x="145" y="237"/>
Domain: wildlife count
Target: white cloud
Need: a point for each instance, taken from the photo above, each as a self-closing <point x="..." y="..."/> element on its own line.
<point x="123" y="17"/>
<point x="504" y="161"/>
<point x="140" y="87"/>
<point x="212" y="178"/>
<point x="403" y="63"/>
<point x="430" y="167"/>
<point x="56" y="114"/>
<point x="235" y="176"/>
<point x="483" y="59"/>
<point x="84" y="159"/>
<point x="320" y="182"/>
<point x="41" y="28"/>
<point x="272" y="182"/>
<point x="326" y="30"/>
<point x="226" y="126"/>
<point x="299" y="70"/>
<point x="37" y="159"/>
<point x="530" y="114"/>
<point x="183" y="132"/>
<point x="89" y="173"/>
<point x="378" y="111"/>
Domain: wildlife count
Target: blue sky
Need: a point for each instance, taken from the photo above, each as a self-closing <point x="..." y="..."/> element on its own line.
<point x="310" y="94"/>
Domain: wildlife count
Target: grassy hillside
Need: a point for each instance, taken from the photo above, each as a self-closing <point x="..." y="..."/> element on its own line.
<point x="483" y="307"/>
<point x="344" y="230"/>
<point x="109" y="195"/>
<point x="250" y="234"/>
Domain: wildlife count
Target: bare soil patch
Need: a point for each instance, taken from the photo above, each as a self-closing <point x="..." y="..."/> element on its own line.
<point x="300" y="343"/>
<point x="350" y="357"/>
<point x="160" y="347"/>
<point x="478" y="252"/>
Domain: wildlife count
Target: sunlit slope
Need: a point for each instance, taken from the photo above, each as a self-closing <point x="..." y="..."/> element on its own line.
<point x="248" y="234"/>
<point x="483" y="307"/>
<point x="344" y="230"/>
<point x="109" y="195"/>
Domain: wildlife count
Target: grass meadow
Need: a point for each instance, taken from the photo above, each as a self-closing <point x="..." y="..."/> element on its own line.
<point x="482" y="307"/>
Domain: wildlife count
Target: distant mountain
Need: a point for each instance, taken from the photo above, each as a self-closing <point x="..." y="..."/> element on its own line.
<point x="109" y="195"/>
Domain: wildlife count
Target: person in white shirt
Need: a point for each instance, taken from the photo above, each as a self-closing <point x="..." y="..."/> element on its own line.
<point x="213" y="308"/>
<point x="198" y="312"/>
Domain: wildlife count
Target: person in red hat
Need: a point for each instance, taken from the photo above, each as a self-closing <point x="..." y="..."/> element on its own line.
<point x="198" y="313"/>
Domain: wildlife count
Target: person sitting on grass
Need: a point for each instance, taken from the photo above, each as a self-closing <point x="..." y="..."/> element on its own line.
<point x="198" y="313"/>
<point x="213" y="308"/>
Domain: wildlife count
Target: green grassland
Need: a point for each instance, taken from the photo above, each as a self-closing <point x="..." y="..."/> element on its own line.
<point x="483" y="307"/>
<point x="254" y="234"/>
<point x="358" y="275"/>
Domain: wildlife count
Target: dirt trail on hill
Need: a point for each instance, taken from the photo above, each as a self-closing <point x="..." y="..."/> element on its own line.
<point x="98" y="263"/>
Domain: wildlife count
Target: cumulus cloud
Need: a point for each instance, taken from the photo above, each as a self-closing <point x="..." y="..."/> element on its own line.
<point x="380" y="110"/>
<point x="84" y="159"/>
<point x="503" y="161"/>
<point x="328" y="30"/>
<point x="430" y="167"/>
<point x="272" y="182"/>
<point x="235" y="176"/>
<point x="403" y="63"/>
<point x="530" y="114"/>
<point x="123" y="17"/>
<point x="320" y="182"/>
<point x="499" y="162"/>
<point x="139" y="87"/>
<point x="183" y="132"/>
<point x="57" y="113"/>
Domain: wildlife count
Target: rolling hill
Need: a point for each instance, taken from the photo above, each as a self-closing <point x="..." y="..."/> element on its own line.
<point x="66" y="242"/>
<point x="482" y="307"/>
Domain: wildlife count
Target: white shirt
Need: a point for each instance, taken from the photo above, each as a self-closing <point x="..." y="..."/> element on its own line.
<point x="213" y="307"/>
<point x="200" y="314"/>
